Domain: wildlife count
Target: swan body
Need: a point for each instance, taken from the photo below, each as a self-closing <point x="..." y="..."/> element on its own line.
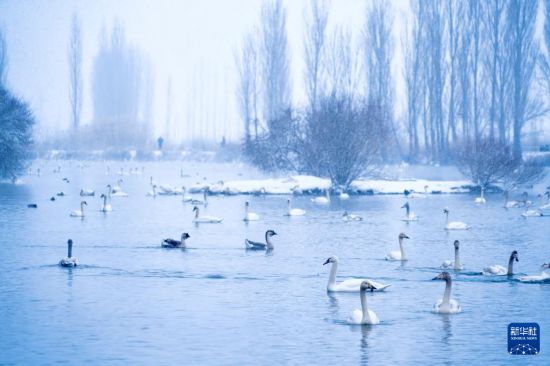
<point x="510" y="204"/>
<point x="87" y="192"/>
<point x="117" y="191"/>
<point x="351" y="217"/>
<point x="294" y="211"/>
<point x="152" y="192"/>
<point x="322" y="200"/>
<point x="172" y="243"/>
<point x="398" y="255"/>
<point x="532" y="213"/>
<point x="164" y="190"/>
<point x="446" y="305"/>
<point x="409" y="215"/>
<point x="498" y="270"/>
<point x="456" y="265"/>
<point x="543" y="276"/>
<point x="268" y="245"/>
<point x="454" y="225"/>
<point x="79" y="213"/>
<point x="205" y="219"/>
<point x="343" y="196"/>
<point x="365" y="315"/>
<point x="350" y="285"/>
<point x="69" y="260"/>
<point x="105" y="206"/>
<point x="249" y="216"/>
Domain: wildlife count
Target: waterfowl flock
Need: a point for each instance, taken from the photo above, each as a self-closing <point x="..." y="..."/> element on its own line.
<point x="363" y="286"/>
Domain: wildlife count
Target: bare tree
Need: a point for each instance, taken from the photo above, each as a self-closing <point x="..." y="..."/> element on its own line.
<point x="75" y="71"/>
<point x="341" y="64"/>
<point x="3" y="58"/>
<point x="314" y="45"/>
<point x="454" y="23"/>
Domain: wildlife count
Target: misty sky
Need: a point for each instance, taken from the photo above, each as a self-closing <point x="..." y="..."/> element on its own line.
<point x="191" y="42"/>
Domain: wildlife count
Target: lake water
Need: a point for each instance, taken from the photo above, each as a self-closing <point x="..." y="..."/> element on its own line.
<point x="131" y="302"/>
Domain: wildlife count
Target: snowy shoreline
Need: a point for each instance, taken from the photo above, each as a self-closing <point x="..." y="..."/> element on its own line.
<point x="304" y="184"/>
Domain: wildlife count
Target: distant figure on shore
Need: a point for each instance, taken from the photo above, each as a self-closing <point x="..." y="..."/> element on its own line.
<point x="160" y="142"/>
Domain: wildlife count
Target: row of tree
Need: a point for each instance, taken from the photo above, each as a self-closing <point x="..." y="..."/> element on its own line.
<point x="469" y="69"/>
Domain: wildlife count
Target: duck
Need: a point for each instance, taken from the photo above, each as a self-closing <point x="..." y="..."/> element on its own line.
<point x="32" y="205"/>
<point x="79" y="213"/>
<point x="105" y="206"/>
<point x="543" y="276"/>
<point x="498" y="270"/>
<point x="409" y="215"/>
<point x="249" y="216"/>
<point x="349" y="285"/>
<point x="205" y="219"/>
<point x="398" y="255"/>
<point x="446" y="305"/>
<point x="481" y="199"/>
<point x="454" y="225"/>
<point x="351" y="217"/>
<point x="510" y="204"/>
<point x="61" y="194"/>
<point x="456" y="265"/>
<point x="322" y="200"/>
<point x="172" y="243"/>
<point x="365" y="316"/>
<point x="268" y="245"/>
<point x="294" y="211"/>
<point x="87" y="192"/>
<point x="117" y="190"/>
<point x="69" y="261"/>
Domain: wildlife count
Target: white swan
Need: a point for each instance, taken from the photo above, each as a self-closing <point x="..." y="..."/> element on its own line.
<point x="350" y="285"/>
<point x="322" y="200"/>
<point x="105" y="206"/>
<point x="532" y="213"/>
<point x="543" y="276"/>
<point x="69" y="260"/>
<point x="205" y="219"/>
<point x="195" y="201"/>
<point x="172" y="243"/>
<point x="510" y="204"/>
<point x="249" y="216"/>
<point x="365" y="315"/>
<point x="294" y="211"/>
<point x="351" y="217"/>
<point x="185" y="196"/>
<point x="409" y="215"/>
<point x="268" y="245"/>
<point x="79" y="213"/>
<point x="454" y="225"/>
<point x="446" y="305"/>
<point x="481" y="199"/>
<point x="398" y="255"/>
<point x="498" y="270"/>
<point x="153" y="191"/>
<point x="87" y="192"/>
<point x="343" y="196"/>
<point x="457" y="266"/>
<point x="117" y="190"/>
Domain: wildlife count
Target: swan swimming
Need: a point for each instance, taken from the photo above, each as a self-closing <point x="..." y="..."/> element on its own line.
<point x="481" y="199"/>
<point x="457" y="266"/>
<point x="454" y="225"/>
<point x="398" y="255"/>
<point x="543" y="276"/>
<point x="249" y="216"/>
<point x="105" y="207"/>
<point x="350" y="285"/>
<point x="351" y="217"/>
<point x="199" y="202"/>
<point x="185" y="197"/>
<point x="79" y="213"/>
<point x="153" y="191"/>
<point x="343" y="196"/>
<point x="205" y="219"/>
<point x="117" y="190"/>
<point x="409" y="215"/>
<point x="364" y="316"/>
<point x="498" y="270"/>
<point x="294" y="211"/>
<point x="172" y="243"/>
<point x="69" y="260"/>
<point x="87" y="192"/>
<point x="268" y="245"/>
<point x="510" y="204"/>
<point x="532" y="213"/>
<point x="322" y="200"/>
<point x="446" y="305"/>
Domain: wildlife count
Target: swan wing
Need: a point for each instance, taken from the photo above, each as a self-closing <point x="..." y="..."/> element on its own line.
<point x="356" y="317"/>
<point x="171" y="243"/>
<point x="373" y="318"/>
<point x="350" y="285"/>
<point x="254" y="244"/>
<point x="447" y="264"/>
<point x="457" y="225"/>
<point x="393" y="256"/>
<point x="495" y="270"/>
<point x="251" y="217"/>
<point x="378" y="286"/>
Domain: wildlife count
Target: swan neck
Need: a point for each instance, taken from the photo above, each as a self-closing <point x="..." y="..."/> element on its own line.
<point x="408" y="210"/>
<point x="268" y="242"/>
<point x="511" y="266"/>
<point x="197" y="213"/>
<point x="364" y="308"/>
<point x="457" y="259"/>
<point x="104" y="200"/>
<point x="447" y="295"/>
<point x="69" y="249"/>
<point x="446" y="217"/>
<point x="332" y="276"/>
<point x="403" y="257"/>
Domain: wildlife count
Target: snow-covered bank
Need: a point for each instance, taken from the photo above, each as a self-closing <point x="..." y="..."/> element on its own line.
<point x="310" y="184"/>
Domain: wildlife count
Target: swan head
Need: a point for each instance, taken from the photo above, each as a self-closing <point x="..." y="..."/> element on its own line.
<point x="102" y="196"/>
<point x="443" y="276"/>
<point x="185" y="236"/>
<point x="333" y="259"/>
<point x="246" y="204"/>
<point x="367" y="286"/>
<point x="70" y="242"/>
<point x="445" y="210"/>
<point x="514" y="256"/>
<point x="195" y="208"/>
<point x="84" y="203"/>
<point x="456" y="244"/>
<point x="109" y="186"/>
<point x="403" y="236"/>
<point x="405" y="205"/>
<point x="545" y="266"/>
<point x="345" y="214"/>
<point x="269" y="233"/>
